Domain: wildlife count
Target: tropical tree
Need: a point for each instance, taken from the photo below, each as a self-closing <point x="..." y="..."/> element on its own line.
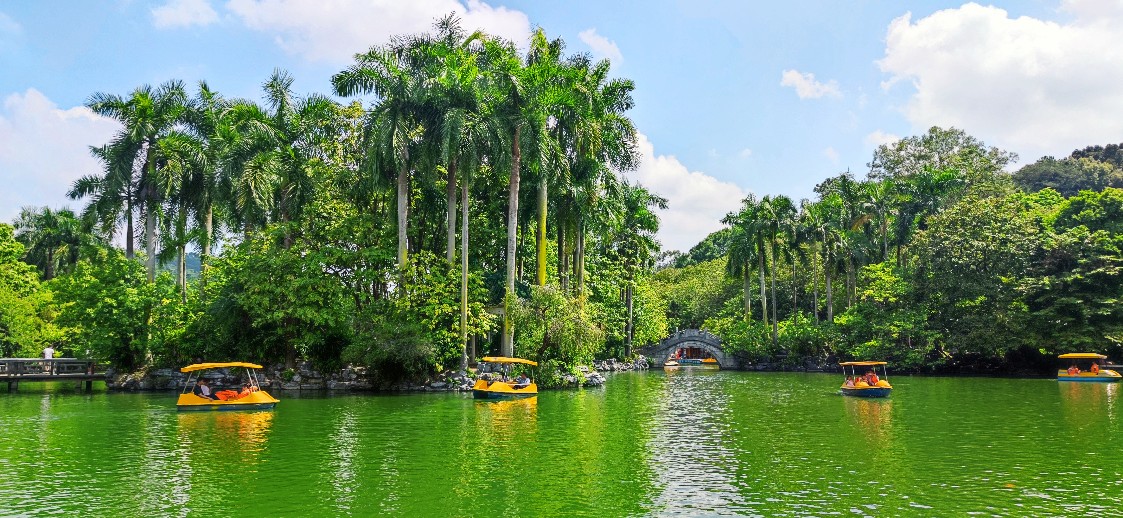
<point x="133" y="159"/>
<point x="51" y="238"/>
<point x="392" y="124"/>
<point x="777" y="219"/>
<point x="634" y="242"/>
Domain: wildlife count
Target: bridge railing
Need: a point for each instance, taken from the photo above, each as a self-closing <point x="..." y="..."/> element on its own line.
<point x="39" y="367"/>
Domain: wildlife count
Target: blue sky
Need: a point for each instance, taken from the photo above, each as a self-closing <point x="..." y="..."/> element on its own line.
<point x="732" y="97"/>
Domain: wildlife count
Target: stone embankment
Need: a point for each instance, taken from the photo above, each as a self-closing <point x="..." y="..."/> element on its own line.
<point x="305" y="377"/>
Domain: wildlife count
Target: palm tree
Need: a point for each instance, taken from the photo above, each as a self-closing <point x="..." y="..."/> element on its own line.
<point x="147" y="115"/>
<point x="777" y="217"/>
<point x="518" y="107"/>
<point x="603" y="141"/>
<point x="112" y="196"/>
<point x="740" y="258"/>
<point x="754" y="236"/>
<point x="51" y="239"/>
<point x="635" y="243"/>
<point x="285" y="144"/>
<point x="392" y="124"/>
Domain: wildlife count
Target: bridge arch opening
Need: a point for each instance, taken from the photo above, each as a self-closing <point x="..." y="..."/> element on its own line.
<point x="696" y="342"/>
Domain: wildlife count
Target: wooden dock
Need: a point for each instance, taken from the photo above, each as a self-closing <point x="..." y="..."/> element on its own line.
<point x="15" y="370"/>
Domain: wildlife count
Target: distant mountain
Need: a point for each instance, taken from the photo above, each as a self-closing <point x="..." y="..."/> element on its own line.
<point x="194" y="266"/>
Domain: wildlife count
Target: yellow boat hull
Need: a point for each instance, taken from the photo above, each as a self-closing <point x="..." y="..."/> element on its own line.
<point x="260" y="400"/>
<point x="1105" y="375"/>
<point x="484" y="389"/>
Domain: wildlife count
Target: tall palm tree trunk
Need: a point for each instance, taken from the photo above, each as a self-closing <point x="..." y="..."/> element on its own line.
<point x="450" y="249"/>
<point x="181" y="271"/>
<point x="150" y="237"/>
<point x="205" y="249"/>
<point x="763" y="293"/>
<point x="629" y="329"/>
<point x="579" y="261"/>
<point x="464" y="276"/>
<point x="403" y="215"/>
<point x="772" y="273"/>
<point x="815" y="286"/>
<point x="830" y="292"/>
<point x="130" y="232"/>
<point x="540" y="245"/>
<point x="507" y="347"/>
<point x="747" y="279"/>
<point x="563" y="267"/>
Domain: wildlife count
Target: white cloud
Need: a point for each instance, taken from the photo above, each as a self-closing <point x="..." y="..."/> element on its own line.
<point x="746" y="153"/>
<point x="10" y="31"/>
<point x="831" y="154"/>
<point x="43" y="149"/>
<point x="603" y="48"/>
<point x="334" y="31"/>
<point x="879" y="137"/>
<point x="184" y="13"/>
<point x="696" y="201"/>
<point x="1095" y="11"/>
<point x="1030" y="86"/>
<point x="806" y="87"/>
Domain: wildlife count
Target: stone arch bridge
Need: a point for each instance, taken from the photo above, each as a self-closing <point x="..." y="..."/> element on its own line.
<point x="657" y="353"/>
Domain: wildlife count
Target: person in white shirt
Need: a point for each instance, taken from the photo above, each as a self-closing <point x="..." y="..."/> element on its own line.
<point x="48" y="354"/>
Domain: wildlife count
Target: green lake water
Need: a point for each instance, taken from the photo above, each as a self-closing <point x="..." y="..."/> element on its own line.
<point x="645" y="444"/>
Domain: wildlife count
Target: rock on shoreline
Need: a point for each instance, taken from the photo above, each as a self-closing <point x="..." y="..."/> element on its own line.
<point x="350" y="378"/>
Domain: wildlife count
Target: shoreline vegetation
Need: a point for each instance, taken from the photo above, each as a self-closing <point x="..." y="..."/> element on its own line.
<point x="470" y="199"/>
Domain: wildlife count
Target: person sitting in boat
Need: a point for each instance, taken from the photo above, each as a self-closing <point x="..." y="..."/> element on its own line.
<point x="246" y="390"/>
<point x="871" y="378"/>
<point x="1072" y="370"/>
<point x="849" y="382"/>
<point x="226" y="395"/>
<point x="522" y="382"/>
<point x="1095" y="368"/>
<point x="202" y="390"/>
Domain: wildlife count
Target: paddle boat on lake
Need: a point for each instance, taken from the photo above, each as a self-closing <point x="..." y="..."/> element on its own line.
<point x="868" y="384"/>
<point x="1086" y="367"/>
<point x="504" y="387"/>
<point x="251" y="397"/>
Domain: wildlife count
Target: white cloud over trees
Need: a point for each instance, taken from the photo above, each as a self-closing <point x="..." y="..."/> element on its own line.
<point x="1038" y="87"/>
<point x="43" y="149"/>
<point x="696" y="202"/>
<point x="334" y="31"/>
<point x="602" y="47"/>
<point x="184" y="13"/>
<point x="807" y="87"/>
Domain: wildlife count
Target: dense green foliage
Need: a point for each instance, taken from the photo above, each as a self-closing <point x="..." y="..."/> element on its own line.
<point x="479" y="198"/>
<point x="935" y="262"/>
<point x="373" y="235"/>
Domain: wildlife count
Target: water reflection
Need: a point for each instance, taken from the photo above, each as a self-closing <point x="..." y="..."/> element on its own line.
<point x="1085" y="404"/>
<point x="506" y="421"/>
<point x="694" y="469"/>
<point x="236" y="432"/>
<point x="872" y="418"/>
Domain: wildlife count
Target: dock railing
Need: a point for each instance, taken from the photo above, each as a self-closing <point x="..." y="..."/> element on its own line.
<point x="15" y="370"/>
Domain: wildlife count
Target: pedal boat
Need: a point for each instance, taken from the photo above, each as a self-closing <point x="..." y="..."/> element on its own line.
<point x="257" y="399"/>
<point x="861" y="388"/>
<point x="497" y="389"/>
<point x="1089" y="368"/>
